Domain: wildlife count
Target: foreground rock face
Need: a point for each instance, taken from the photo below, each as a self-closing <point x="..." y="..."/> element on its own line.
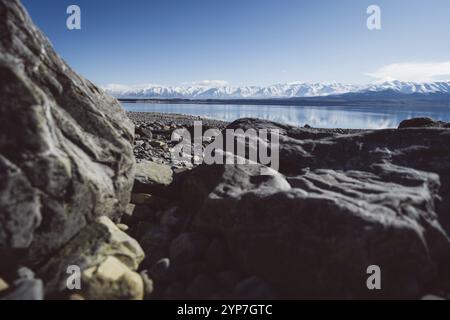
<point x="340" y="204"/>
<point x="65" y="146"/>
<point x="89" y="250"/>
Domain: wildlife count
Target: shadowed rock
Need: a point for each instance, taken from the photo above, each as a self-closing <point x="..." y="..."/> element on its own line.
<point x="339" y="204"/>
<point x="422" y="123"/>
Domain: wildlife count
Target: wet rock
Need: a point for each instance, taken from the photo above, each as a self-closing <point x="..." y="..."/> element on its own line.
<point x="112" y="280"/>
<point x="66" y="152"/>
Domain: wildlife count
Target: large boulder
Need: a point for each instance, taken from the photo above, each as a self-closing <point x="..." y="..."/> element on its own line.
<point x="65" y="146"/>
<point x="340" y="204"/>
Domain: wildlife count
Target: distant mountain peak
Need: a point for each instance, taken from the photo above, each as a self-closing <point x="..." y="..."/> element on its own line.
<point x="287" y="90"/>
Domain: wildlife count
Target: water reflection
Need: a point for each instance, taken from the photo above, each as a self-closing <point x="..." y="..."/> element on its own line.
<point x="354" y="117"/>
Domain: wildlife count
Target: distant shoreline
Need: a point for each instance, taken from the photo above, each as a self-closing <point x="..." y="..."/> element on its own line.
<point x="322" y="101"/>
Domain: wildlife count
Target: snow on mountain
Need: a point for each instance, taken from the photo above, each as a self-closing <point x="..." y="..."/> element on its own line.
<point x="411" y="87"/>
<point x="291" y="90"/>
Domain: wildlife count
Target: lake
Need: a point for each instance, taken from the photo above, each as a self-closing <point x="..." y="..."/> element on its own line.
<point x="349" y="117"/>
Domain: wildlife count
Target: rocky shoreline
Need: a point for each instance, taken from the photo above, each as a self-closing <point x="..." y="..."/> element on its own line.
<point x="92" y="205"/>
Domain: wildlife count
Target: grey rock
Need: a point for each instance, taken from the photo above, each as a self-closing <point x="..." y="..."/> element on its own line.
<point x="175" y="291"/>
<point x="254" y="289"/>
<point x="89" y="249"/>
<point x="65" y="146"/>
<point x="431" y="297"/>
<point x="173" y="218"/>
<point x="144" y="132"/>
<point x="228" y="279"/>
<point x="149" y="286"/>
<point x="340" y="203"/>
<point x="156" y="241"/>
<point x="422" y="123"/>
<point x="216" y="254"/>
<point x="160" y="271"/>
<point x="152" y="177"/>
<point x="201" y="287"/>
<point x="26" y="287"/>
<point x="188" y="247"/>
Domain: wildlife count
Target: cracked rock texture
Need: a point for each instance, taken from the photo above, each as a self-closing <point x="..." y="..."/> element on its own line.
<point x="341" y="203"/>
<point x="65" y="147"/>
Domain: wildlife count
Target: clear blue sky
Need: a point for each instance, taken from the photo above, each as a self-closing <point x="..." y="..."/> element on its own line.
<point x="246" y="42"/>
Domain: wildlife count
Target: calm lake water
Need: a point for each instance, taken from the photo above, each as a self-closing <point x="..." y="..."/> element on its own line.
<point x="351" y="117"/>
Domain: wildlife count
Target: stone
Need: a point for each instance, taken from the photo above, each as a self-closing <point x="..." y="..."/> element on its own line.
<point x="160" y="271"/>
<point x="152" y="177"/>
<point x="188" y="247"/>
<point x="216" y="254"/>
<point x="122" y="227"/>
<point x="201" y="287"/>
<point x="3" y="285"/>
<point x="431" y="297"/>
<point x="72" y="159"/>
<point x="141" y="199"/>
<point x="339" y="204"/>
<point x="158" y="144"/>
<point x="144" y="132"/>
<point x="227" y="280"/>
<point x="254" y="289"/>
<point x="129" y="210"/>
<point x="25" y="287"/>
<point x="422" y="123"/>
<point x="156" y="241"/>
<point x="173" y="218"/>
<point x="148" y="285"/>
<point x="175" y="291"/>
<point x="76" y="297"/>
<point x="112" y="280"/>
<point x="95" y="243"/>
<point x="142" y="213"/>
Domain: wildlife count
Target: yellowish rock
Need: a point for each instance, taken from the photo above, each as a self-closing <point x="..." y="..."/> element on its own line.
<point x="112" y="280"/>
<point x="3" y="285"/>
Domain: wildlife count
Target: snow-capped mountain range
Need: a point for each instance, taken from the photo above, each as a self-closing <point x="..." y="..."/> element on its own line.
<point x="291" y="90"/>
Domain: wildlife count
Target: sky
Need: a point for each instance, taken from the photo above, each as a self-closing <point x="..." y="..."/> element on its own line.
<point x="249" y="42"/>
